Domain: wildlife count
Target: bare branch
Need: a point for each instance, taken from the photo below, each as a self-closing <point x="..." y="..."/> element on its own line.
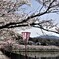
<point x="46" y="29"/>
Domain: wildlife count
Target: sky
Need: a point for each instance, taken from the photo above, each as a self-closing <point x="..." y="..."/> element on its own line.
<point x="33" y="8"/>
<point x="36" y="6"/>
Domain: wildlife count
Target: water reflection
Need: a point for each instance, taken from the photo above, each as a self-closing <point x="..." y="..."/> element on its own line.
<point x="43" y="55"/>
<point x="34" y="55"/>
<point x="49" y="57"/>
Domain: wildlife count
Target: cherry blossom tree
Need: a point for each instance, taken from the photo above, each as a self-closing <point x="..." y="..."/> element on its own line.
<point x="8" y="16"/>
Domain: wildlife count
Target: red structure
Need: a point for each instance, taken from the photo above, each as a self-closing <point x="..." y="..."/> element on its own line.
<point x="25" y="36"/>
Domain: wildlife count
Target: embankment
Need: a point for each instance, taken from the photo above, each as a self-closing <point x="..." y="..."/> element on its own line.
<point x="35" y="48"/>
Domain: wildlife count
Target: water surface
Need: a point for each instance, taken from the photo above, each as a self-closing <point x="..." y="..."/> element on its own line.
<point x="43" y="55"/>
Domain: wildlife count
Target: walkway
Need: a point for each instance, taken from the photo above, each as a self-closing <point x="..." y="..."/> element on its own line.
<point x="2" y="56"/>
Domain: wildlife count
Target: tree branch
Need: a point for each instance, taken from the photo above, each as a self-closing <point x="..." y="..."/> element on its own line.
<point x="23" y="21"/>
<point x="50" y="5"/>
<point x="46" y="29"/>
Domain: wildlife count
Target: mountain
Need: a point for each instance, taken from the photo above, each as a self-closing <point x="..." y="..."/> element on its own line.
<point x="48" y="37"/>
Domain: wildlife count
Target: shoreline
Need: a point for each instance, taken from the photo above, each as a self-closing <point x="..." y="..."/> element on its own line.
<point x="31" y="48"/>
<point x="35" y="48"/>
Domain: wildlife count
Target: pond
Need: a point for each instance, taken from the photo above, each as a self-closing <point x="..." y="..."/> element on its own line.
<point x="33" y="55"/>
<point x="37" y="55"/>
<point x="42" y="55"/>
